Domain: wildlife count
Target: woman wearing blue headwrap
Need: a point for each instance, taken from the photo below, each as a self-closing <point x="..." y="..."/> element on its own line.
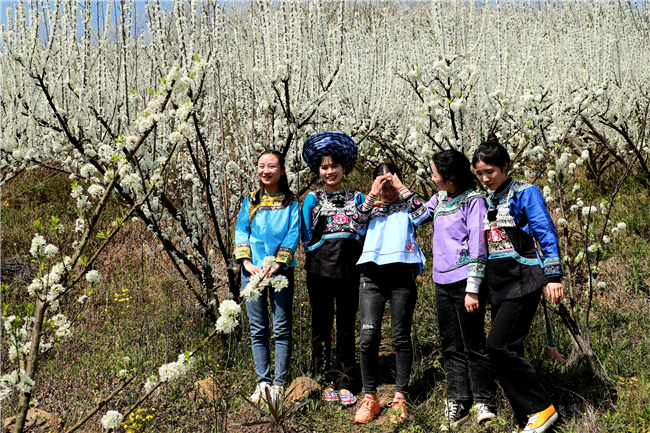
<point x="332" y="250"/>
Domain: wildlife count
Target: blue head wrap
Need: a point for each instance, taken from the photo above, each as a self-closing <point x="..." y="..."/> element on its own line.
<point x="326" y="143"/>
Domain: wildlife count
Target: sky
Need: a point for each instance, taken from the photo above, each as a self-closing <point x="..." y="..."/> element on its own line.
<point x="140" y="4"/>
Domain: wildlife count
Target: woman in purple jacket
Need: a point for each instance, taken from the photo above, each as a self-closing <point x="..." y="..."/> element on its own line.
<point x="459" y="259"/>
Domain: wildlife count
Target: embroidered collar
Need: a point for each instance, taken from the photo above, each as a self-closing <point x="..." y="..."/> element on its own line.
<point x="338" y="191"/>
<point x="386" y="209"/>
<point x="502" y="189"/>
<point x="448" y="205"/>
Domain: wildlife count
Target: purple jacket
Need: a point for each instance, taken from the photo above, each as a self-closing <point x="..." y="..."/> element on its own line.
<point x="459" y="242"/>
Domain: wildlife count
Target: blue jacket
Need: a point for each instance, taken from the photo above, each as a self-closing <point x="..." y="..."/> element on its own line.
<point x="267" y="229"/>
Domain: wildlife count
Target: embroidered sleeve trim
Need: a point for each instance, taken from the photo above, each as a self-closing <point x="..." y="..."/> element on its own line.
<point x="368" y="204"/>
<point x="477" y="268"/>
<point x="404" y="192"/>
<point x="415" y="205"/>
<point x="417" y="213"/>
<point x="552" y="261"/>
<point x="359" y="221"/>
<point x="243" y="251"/>
<point x="285" y="255"/>
<point x="552" y="267"/>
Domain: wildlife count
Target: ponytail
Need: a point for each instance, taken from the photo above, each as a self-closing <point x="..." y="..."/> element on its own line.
<point x="492" y="152"/>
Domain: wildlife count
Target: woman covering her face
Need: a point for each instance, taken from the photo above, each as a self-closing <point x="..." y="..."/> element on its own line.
<point x="390" y="261"/>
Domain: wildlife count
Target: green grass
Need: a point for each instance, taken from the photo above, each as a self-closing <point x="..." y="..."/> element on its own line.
<point x="153" y="319"/>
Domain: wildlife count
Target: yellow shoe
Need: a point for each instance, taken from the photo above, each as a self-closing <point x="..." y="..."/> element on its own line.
<point x="397" y="412"/>
<point x="540" y="421"/>
<point x="367" y="409"/>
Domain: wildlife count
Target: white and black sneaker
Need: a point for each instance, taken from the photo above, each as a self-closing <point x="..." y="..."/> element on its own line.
<point x="482" y="412"/>
<point x="455" y="414"/>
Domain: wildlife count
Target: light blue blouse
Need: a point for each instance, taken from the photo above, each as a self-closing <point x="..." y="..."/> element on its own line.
<point x="267" y="229"/>
<point x="390" y="231"/>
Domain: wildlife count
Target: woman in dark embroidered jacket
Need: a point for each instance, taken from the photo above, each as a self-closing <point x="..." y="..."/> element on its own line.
<point x="516" y="275"/>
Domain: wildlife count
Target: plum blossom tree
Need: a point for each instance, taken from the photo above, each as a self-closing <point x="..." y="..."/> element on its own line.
<point x="168" y="106"/>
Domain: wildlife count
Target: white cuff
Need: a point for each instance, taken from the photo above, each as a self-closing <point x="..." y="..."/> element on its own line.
<point x="473" y="284"/>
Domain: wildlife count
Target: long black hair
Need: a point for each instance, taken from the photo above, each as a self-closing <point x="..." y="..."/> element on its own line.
<point x="492" y="152"/>
<point x="385" y="168"/>
<point x="454" y="165"/>
<point x="283" y="183"/>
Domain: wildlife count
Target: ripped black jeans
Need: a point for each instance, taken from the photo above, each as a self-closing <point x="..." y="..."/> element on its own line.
<point x="394" y="282"/>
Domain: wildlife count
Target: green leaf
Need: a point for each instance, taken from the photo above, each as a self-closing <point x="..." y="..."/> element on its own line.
<point x="37" y="225"/>
<point x="151" y="92"/>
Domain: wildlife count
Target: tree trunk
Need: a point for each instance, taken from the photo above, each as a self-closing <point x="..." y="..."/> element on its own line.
<point x="30" y="368"/>
<point x="582" y="355"/>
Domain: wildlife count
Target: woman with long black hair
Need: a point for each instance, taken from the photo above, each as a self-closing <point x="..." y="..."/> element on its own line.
<point x="459" y="257"/>
<point x="516" y="276"/>
<point x="269" y="225"/>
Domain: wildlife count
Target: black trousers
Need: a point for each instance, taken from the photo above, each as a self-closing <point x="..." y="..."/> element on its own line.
<point x="463" y="346"/>
<point x="511" y="320"/>
<point x="323" y="292"/>
<point x="394" y="283"/>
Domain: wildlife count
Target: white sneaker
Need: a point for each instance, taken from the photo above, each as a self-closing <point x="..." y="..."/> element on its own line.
<point x="260" y="392"/>
<point x="277" y="393"/>
<point x="482" y="412"/>
<point x="455" y="413"/>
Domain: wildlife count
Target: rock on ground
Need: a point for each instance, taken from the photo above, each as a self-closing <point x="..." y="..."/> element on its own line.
<point x="303" y="387"/>
<point x="206" y="388"/>
<point x="37" y="421"/>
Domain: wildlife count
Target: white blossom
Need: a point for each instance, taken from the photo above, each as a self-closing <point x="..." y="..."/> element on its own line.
<point x="269" y="261"/>
<point x="229" y="308"/>
<point x="226" y="324"/>
<point x="93" y="276"/>
<point x="279" y="282"/>
<point x="579" y="257"/>
<point x="112" y="420"/>
<point x="38" y="243"/>
<point x="587" y="210"/>
<point x="79" y="225"/>
<point x="175" y="370"/>
<point x="95" y="190"/>
<point x="150" y="383"/>
<point x="50" y="251"/>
